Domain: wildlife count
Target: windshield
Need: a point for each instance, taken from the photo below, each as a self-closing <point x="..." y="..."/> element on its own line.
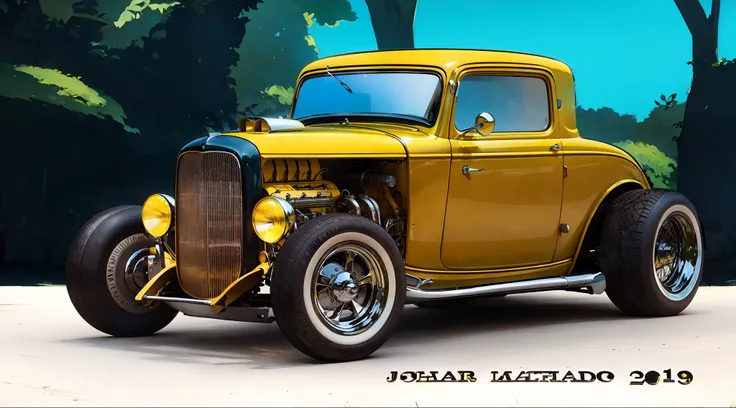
<point x="412" y="96"/>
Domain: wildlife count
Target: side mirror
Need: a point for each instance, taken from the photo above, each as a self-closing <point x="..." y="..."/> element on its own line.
<point x="484" y="125"/>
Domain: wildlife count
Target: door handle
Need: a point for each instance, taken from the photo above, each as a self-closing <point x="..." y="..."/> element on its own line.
<point x="467" y="170"/>
<point x="555" y="147"/>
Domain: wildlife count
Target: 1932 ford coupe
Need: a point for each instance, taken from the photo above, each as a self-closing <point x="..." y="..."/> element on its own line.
<point x="416" y="176"/>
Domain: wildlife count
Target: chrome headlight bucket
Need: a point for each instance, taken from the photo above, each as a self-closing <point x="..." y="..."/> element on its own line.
<point x="273" y="218"/>
<point x="158" y="214"/>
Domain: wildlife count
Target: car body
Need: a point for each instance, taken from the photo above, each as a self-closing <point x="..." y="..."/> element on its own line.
<point x="460" y="172"/>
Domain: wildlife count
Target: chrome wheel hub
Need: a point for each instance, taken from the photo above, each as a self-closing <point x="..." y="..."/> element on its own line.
<point x="677" y="256"/>
<point x="343" y="287"/>
<point x="349" y="288"/>
<point x="136" y="270"/>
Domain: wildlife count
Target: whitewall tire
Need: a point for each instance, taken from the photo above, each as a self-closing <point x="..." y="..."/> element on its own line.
<point x="338" y="287"/>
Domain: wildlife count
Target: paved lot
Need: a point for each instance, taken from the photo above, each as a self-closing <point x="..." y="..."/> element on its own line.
<point x="49" y="356"/>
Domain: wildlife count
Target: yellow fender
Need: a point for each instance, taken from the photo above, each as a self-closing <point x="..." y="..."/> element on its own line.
<point x="157" y="283"/>
<point x="237" y="288"/>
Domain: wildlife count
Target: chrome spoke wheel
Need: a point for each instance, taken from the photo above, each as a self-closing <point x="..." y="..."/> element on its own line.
<point x="336" y="287"/>
<point x="136" y="270"/>
<point x="349" y="288"/>
<point x="677" y="255"/>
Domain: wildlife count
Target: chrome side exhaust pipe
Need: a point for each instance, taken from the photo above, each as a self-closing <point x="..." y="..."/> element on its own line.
<point x="592" y="283"/>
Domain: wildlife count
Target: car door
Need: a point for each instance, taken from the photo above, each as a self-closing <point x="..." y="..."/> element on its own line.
<point x="505" y="189"/>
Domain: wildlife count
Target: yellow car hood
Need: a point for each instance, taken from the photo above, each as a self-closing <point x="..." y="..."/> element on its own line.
<point x="328" y="142"/>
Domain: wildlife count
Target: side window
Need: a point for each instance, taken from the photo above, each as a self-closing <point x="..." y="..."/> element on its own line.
<point x="518" y="103"/>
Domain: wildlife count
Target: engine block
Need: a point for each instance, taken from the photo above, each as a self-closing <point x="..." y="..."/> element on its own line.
<point x="305" y="194"/>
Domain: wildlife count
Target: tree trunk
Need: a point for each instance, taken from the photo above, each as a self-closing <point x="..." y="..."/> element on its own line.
<point x="706" y="143"/>
<point x="393" y="23"/>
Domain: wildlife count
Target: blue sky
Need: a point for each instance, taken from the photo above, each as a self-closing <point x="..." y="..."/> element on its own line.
<point x="623" y="56"/>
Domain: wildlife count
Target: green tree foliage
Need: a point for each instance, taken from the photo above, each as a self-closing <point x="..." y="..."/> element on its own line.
<point x="79" y="154"/>
<point x="605" y="124"/>
<point x="327" y="12"/>
<point x="68" y="70"/>
<point x="284" y="96"/>
<point x="54" y="87"/>
<point x="60" y="10"/>
<point x="5" y="4"/>
<point x="722" y="62"/>
<point x="659" y="129"/>
<point x="659" y="167"/>
<point x="119" y="33"/>
<point x="652" y="141"/>
<point x="275" y="48"/>
<point x="137" y="7"/>
<point x="125" y="11"/>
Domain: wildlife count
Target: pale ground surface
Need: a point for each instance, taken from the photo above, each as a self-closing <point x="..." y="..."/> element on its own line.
<point x="49" y="356"/>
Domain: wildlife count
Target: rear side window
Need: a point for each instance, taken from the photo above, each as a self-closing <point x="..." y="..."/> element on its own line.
<point x="518" y="103"/>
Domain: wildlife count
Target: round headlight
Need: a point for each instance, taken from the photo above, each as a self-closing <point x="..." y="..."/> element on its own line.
<point x="158" y="214"/>
<point x="273" y="217"/>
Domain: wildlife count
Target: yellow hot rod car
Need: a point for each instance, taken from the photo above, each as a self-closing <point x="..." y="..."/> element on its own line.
<point x="399" y="177"/>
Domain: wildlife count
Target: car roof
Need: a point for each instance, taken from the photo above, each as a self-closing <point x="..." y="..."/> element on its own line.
<point x="444" y="58"/>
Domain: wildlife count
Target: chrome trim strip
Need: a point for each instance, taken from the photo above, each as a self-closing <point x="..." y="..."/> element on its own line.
<point x="594" y="283"/>
<point x="416" y="283"/>
<point x="167" y="299"/>
<point x="310" y="202"/>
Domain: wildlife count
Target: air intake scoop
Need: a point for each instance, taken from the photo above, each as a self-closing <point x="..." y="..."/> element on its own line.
<point x="266" y="125"/>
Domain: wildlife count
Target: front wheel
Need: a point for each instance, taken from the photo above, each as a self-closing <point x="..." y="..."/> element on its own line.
<point x="106" y="269"/>
<point x="338" y="287"/>
<point x="652" y="252"/>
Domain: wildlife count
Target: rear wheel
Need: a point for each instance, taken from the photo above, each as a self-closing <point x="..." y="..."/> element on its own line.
<point x="336" y="288"/>
<point x="652" y="252"/>
<point x="107" y="267"/>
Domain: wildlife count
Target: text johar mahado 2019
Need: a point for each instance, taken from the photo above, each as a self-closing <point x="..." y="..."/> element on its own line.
<point x="541" y="376"/>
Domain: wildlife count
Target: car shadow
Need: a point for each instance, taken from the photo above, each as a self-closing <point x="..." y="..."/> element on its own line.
<point x="511" y="312"/>
<point x="262" y="346"/>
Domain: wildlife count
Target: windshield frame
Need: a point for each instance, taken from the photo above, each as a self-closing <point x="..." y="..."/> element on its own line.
<point x="342" y="71"/>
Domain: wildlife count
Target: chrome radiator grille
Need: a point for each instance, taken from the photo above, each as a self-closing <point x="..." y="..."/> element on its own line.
<point x="209" y="222"/>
